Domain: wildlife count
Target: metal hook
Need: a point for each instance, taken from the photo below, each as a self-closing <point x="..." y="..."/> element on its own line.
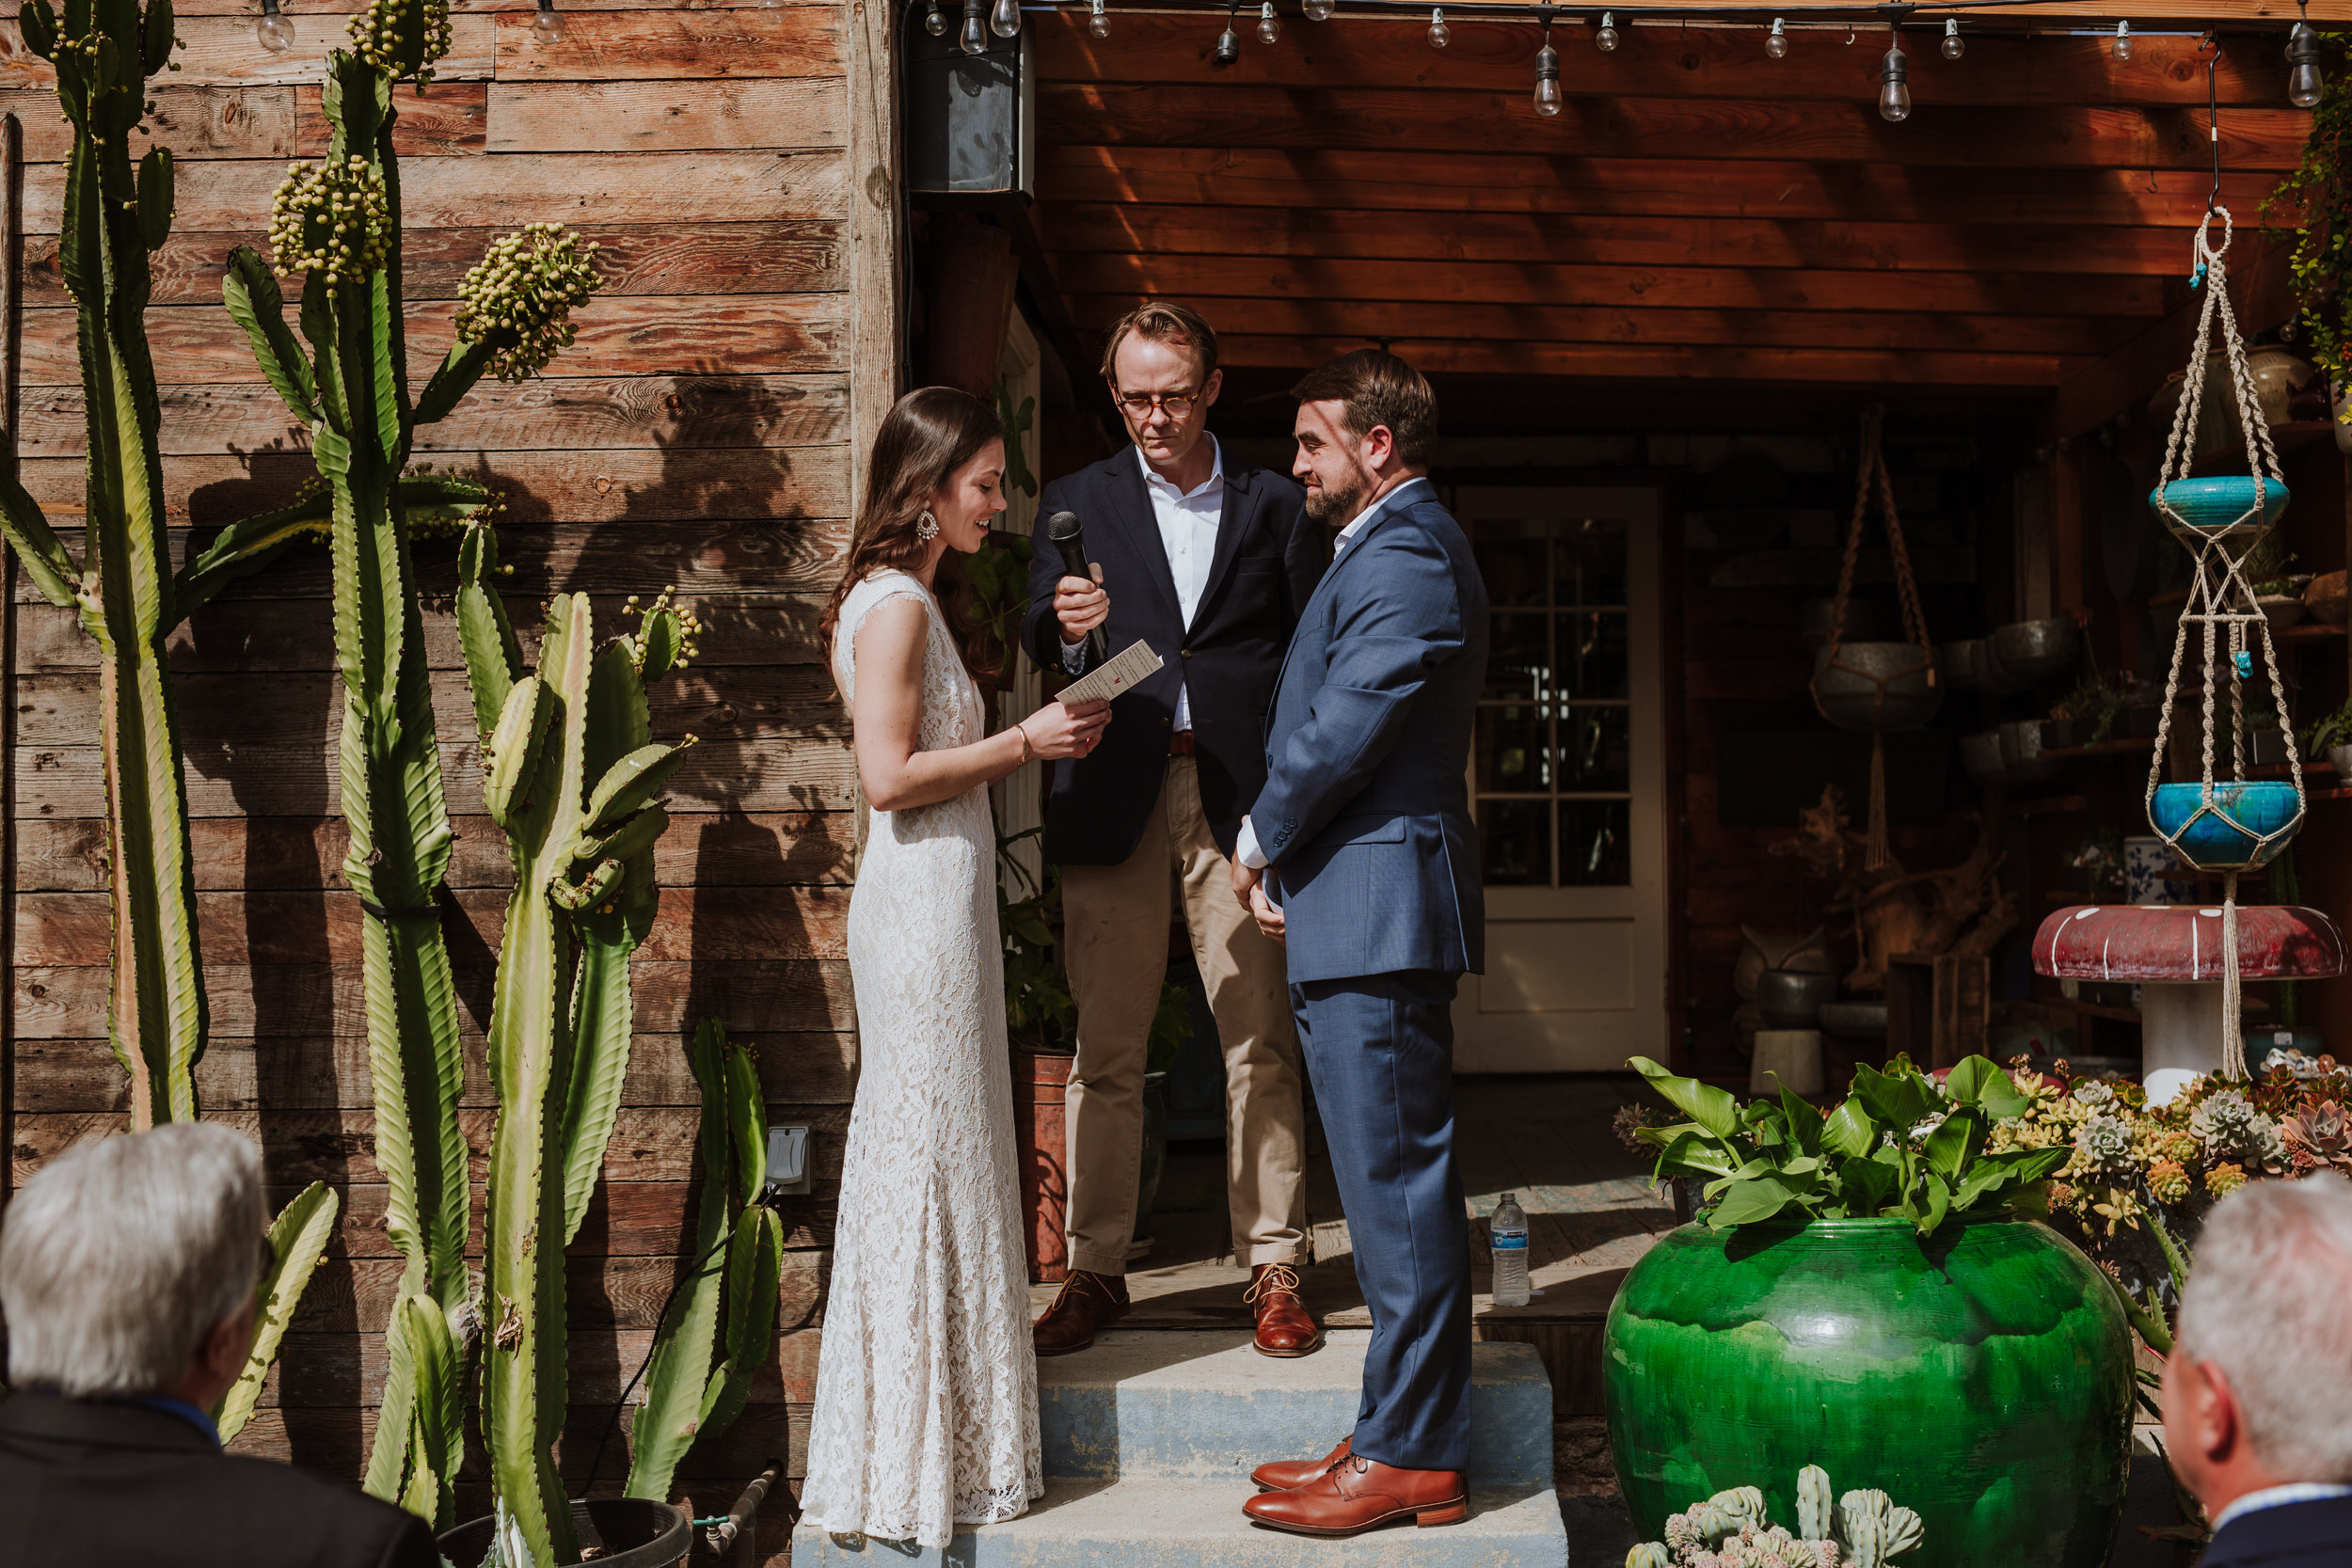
<point x="2213" y="120"/>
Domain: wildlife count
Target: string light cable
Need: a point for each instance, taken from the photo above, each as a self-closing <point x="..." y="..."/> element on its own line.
<point x="1776" y="22"/>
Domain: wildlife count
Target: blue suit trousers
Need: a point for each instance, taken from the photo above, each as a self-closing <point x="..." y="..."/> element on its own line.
<point x="1379" y="1049"/>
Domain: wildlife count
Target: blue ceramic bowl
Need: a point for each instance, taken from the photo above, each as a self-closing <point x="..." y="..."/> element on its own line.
<point x="2214" y="843"/>
<point x="2212" y="506"/>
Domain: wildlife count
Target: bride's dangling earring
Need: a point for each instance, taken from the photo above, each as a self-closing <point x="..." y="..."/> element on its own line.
<point x="927" y="528"/>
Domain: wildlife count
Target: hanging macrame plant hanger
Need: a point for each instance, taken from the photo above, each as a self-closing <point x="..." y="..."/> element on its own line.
<point x="1876" y="686"/>
<point x="2229" y="824"/>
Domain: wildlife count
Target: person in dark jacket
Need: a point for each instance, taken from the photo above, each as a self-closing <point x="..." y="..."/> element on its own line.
<point x="1210" y="561"/>
<point x="128" y="1269"/>
<point x="2258" y="1388"/>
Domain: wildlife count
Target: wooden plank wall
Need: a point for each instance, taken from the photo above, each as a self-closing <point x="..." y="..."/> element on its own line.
<point x="699" y="434"/>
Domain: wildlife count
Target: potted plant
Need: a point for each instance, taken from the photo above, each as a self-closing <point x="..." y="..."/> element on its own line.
<point x="1871" y="1290"/>
<point x="2332" y="736"/>
<point x="2316" y="202"/>
<point x="2087" y="715"/>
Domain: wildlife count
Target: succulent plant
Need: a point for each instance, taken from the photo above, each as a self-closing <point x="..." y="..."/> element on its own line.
<point x="727" y="1305"/>
<point x="401" y="37"/>
<point x="517" y="300"/>
<point x="330" y="221"/>
<point x="1815" y="1508"/>
<point x="1730" y="1531"/>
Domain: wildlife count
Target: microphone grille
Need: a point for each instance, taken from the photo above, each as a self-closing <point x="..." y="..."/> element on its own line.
<point x="1061" y="525"/>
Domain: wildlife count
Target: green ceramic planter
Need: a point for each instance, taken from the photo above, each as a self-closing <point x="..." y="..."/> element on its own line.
<point x="1981" y="1375"/>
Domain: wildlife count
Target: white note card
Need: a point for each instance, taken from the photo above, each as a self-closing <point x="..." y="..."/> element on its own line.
<point x="1136" y="663"/>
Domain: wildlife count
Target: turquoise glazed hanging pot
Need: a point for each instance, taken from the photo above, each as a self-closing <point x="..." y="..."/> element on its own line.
<point x="1980" y="1375"/>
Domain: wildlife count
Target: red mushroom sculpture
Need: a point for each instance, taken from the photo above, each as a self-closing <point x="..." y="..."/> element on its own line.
<point x="2175" y="954"/>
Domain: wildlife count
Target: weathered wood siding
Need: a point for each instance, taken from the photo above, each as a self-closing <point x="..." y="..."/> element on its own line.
<point x="699" y="434"/>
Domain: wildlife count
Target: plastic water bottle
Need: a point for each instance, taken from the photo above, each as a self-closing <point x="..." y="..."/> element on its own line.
<point x="1509" y="1229"/>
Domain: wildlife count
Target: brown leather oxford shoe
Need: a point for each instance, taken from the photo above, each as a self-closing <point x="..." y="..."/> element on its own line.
<point x="1359" y="1494"/>
<point x="1285" y="1327"/>
<point x="1086" y="1303"/>
<point x="1284" y="1474"/>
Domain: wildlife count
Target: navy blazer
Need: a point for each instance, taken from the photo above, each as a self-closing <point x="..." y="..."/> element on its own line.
<point x="1267" y="560"/>
<point x="1365" y="814"/>
<point x="2315" y="1535"/>
<point x="85" y="1480"/>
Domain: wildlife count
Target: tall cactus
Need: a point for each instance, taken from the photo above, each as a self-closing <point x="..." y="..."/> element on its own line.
<point x="570" y="776"/>
<point x="688" y="1397"/>
<point x="336" y="225"/>
<point x="115" y="213"/>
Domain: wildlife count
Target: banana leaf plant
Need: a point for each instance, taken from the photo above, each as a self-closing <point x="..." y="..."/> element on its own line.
<point x="335" y="226"/>
<point x="727" y="1305"/>
<point x="1898" y="1144"/>
<point x="571" y="777"/>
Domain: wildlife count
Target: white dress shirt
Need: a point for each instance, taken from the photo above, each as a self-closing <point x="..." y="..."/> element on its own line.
<point x="1245" y="843"/>
<point x="1188" y="520"/>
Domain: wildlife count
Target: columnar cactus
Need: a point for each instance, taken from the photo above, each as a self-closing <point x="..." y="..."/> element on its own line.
<point x="570" y="777"/>
<point x="336" y="227"/>
<point x="1815" y="1508"/>
<point x="117" y="212"/>
<point x="687" y="1397"/>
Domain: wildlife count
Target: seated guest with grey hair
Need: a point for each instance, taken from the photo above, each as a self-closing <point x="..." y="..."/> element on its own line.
<point x="127" y="1273"/>
<point x="2258" y="1389"/>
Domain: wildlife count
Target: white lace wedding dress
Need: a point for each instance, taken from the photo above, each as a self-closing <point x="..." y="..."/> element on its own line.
<point x="925" y="1413"/>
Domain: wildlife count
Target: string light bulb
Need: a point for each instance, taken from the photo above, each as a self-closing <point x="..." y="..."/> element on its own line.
<point x="1547" y="79"/>
<point x="1440" y="34"/>
<point x="2303" y="81"/>
<point x="1004" y="18"/>
<point x="1227" y="43"/>
<point x="973" y="36"/>
<point x="1269" y="30"/>
<point x="1317" y="10"/>
<point x="546" y="23"/>
<point x="1098" y="19"/>
<point x="2123" y="41"/>
<point x="1894" y="84"/>
<point x="273" y="32"/>
<point x="1607" y="38"/>
<point x="1954" y="46"/>
<point x="1776" y="41"/>
<point x="933" y="23"/>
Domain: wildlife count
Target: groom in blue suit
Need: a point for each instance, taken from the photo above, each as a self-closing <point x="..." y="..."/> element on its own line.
<point x="1360" y="855"/>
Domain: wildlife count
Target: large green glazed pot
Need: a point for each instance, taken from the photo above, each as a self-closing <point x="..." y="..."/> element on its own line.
<point x="1981" y="1375"/>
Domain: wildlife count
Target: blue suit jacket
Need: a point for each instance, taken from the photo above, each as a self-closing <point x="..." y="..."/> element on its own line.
<point x="2292" y="1535"/>
<point x="1365" y="813"/>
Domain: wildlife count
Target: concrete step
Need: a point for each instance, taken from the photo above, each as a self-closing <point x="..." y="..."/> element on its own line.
<point x="1141" y="1405"/>
<point x="1163" y="1522"/>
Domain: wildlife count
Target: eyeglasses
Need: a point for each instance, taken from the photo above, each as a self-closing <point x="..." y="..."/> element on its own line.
<point x="1139" y="405"/>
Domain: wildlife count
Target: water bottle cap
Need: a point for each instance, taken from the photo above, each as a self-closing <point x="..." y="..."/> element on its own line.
<point x="1509" y="1198"/>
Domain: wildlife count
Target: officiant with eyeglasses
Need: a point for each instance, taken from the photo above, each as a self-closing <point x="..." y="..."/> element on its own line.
<point x="1210" y="562"/>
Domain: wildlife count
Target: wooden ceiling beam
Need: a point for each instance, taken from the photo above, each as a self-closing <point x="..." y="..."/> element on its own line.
<point x="1711" y="363"/>
<point x="1201" y="277"/>
<point x="2081" y="337"/>
<point x="1623" y="188"/>
<point x="1194" y="115"/>
<point x="1658" y="62"/>
<point x="1157" y="229"/>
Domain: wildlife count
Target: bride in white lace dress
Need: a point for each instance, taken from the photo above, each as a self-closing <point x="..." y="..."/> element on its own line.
<point x="925" y="1413"/>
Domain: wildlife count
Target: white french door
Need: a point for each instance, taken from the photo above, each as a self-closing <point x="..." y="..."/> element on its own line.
<point x="1567" y="773"/>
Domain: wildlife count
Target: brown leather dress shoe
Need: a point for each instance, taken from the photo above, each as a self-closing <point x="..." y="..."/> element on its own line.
<point x="1285" y="1327"/>
<point x="1359" y="1494"/>
<point x="1085" y="1302"/>
<point x="1284" y="1474"/>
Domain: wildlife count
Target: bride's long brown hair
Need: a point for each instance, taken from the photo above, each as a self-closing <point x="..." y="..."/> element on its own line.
<point x="928" y="435"/>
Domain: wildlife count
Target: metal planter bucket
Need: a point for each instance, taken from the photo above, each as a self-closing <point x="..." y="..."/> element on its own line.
<point x="630" y="1532"/>
<point x="1876" y="686"/>
<point x="2020" y="753"/>
<point x="2017" y="656"/>
<point x="1981" y="753"/>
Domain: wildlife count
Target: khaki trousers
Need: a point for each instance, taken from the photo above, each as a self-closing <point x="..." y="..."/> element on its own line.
<point x="1115" y="920"/>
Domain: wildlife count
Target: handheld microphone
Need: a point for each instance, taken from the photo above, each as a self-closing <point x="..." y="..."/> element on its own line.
<point x="1069" y="540"/>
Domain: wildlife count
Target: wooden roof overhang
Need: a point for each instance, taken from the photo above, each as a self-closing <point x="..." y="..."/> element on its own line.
<point x="1697" y="212"/>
